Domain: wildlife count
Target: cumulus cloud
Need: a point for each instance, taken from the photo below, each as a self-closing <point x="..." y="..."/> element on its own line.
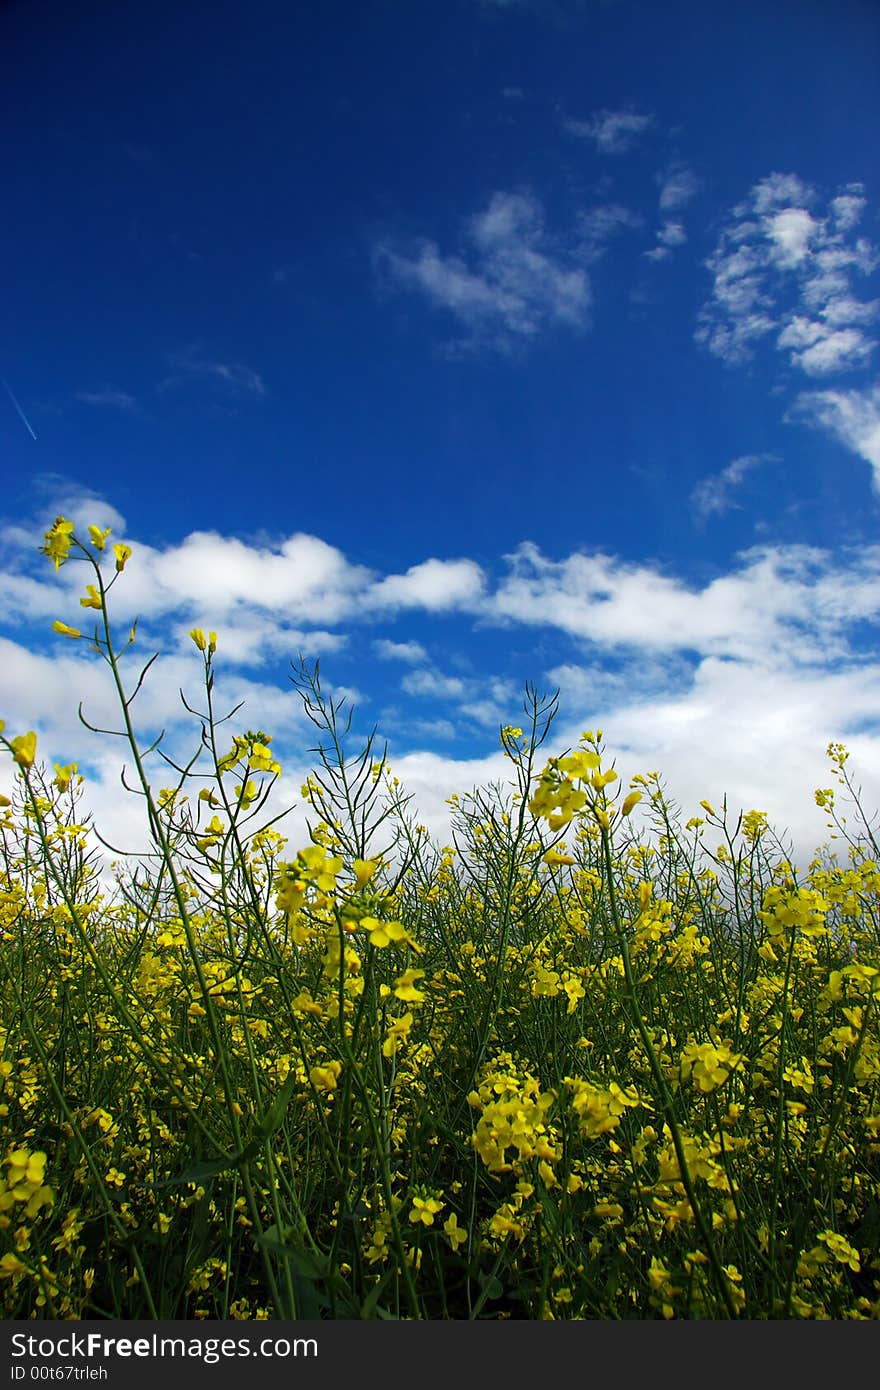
<point x="752" y="731"/>
<point x="303" y="577"/>
<point x="510" y="282"/>
<point x="432" y="683"/>
<point x="733" y="685"/>
<point x="434" y="585"/>
<point x="412" y="652"/>
<point x="304" y="591"/>
<point x="790" y="595"/>
<point x="269" y="598"/>
<point x="612" y="132"/>
<point x="783" y="267"/>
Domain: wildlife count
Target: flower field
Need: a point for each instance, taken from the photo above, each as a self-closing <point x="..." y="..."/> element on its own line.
<point x="576" y="1064"/>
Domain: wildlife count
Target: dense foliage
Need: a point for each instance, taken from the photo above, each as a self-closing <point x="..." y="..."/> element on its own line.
<point x="567" y="1066"/>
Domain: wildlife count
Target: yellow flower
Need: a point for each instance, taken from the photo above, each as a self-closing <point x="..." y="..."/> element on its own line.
<point x="424" y="1209"/>
<point x="24" y="749"/>
<point x="453" y="1232"/>
<point x="363" y="870"/>
<point x="261" y="759"/>
<point x="58" y="541"/>
<point x="405" y="987"/>
<point x="709" y="1064"/>
<point x="397" y="1033"/>
<point x="98" y="537"/>
<point x="383" y="933"/>
<point x="579" y="764"/>
<point x="65" y="776"/>
<point x="325" y="1078"/>
<point x="602" y="779"/>
<point x="64" y="630"/>
<point x="629" y="802"/>
<point x="553" y="857"/>
<point x="319" y="867"/>
<point x="246" y="793"/>
<point x="575" y="991"/>
<point x="841" y="1249"/>
<point x="122" y="553"/>
<point x="787" y="911"/>
<point x="198" y="637"/>
<point x="92" y="598"/>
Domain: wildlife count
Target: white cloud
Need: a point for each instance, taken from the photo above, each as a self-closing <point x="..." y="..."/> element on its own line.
<point x="612" y="132"/>
<point x="431" y="730"/>
<point x="841" y="311"/>
<point x="304" y="578"/>
<point x="412" y="652"/>
<point x="670" y="235"/>
<point x="234" y="377"/>
<point x="256" y="638"/>
<point x="847" y="209"/>
<point x="678" y="186"/>
<point x="435" y="585"/>
<point x="512" y="283"/>
<point x="753" y="730"/>
<point x="820" y="350"/>
<point x="853" y="417"/>
<point x="782" y="267"/>
<point x="732" y="685"/>
<point x="712" y="495"/>
<point x="78" y="503"/>
<point x="432" y="683"/>
<point x="778" y="190"/>
<point x="791" y="232"/>
<point x="793" y="596"/>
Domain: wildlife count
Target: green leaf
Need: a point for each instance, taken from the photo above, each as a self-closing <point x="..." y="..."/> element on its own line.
<point x="491" y="1285"/>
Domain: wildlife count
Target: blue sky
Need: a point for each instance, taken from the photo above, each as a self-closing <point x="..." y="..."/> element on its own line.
<point x="458" y="344"/>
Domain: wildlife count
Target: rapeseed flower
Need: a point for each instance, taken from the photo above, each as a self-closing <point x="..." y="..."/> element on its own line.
<point x="326" y="1077"/>
<point x="58" y="541"/>
<point x="98" y="537"/>
<point x="424" y="1209"/>
<point x="24" y="749"/>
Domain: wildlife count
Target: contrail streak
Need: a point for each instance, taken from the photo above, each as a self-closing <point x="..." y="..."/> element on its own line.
<point x="24" y="419"/>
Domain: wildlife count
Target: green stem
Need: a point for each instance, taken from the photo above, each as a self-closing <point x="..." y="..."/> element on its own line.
<point x="662" y="1087"/>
